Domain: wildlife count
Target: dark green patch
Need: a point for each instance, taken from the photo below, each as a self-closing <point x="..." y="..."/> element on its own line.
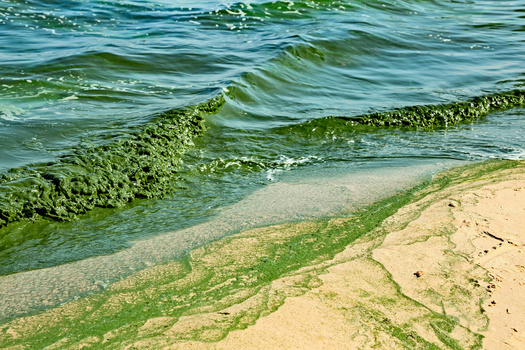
<point x="138" y="164"/>
<point x="442" y="115"/>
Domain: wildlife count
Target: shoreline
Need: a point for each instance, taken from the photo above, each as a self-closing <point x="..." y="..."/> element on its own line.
<point x="313" y="196"/>
<point x="421" y="270"/>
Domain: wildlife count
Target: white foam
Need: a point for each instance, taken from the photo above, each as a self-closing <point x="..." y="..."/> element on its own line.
<point x="10" y="112"/>
<point x="69" y="98"/>
<point x="518" y="155"/>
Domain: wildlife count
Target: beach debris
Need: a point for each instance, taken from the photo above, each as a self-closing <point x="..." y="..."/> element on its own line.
<point x="419" y="273"/>
<point x="494" y="236"/>
<point x="453" y="204"/>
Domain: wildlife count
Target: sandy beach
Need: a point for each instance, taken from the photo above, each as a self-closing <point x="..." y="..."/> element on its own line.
<point x="444" y="270"/>
<point x="463" y="257"/>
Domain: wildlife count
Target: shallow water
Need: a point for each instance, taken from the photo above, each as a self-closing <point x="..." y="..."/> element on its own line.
<point x="94" y="71"/>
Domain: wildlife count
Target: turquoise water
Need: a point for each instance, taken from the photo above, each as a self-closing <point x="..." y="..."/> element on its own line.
<point x="77" y="73"/>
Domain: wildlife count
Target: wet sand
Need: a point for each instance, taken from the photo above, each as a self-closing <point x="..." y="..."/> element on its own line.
<point x="445" y="271"/>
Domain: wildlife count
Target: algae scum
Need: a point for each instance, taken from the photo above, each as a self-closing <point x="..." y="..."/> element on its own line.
<point x="229" y="284"/>
<point x="143" y="163"/>
<point x="93" y="111"/>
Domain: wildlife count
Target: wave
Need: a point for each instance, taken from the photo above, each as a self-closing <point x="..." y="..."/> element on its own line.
<point x="138" y="164"/>
<point x="143" y="163"/>
<point x="422" y="116"/>
<point x="291" y="65"/>
<point x="443" y="115"/>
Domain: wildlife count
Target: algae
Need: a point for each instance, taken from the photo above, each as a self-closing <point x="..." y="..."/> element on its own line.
<point x="229" y="284"/>
<point x="139" y="164"/>
<point x="427" y="116"/>
<point x="143" y="163"/>
<point x="238" y="270"/>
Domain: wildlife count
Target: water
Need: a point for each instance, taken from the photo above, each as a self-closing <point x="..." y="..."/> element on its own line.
<point x="93" y="72"/>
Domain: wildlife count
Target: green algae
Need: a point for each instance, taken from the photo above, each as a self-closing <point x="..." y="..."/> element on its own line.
<point x="405" y="323"/>
<point x="143" y="163"/>
<point x="139" y="164"/>
<point x="229" y="284"/>
<point x="427" y="116"/>
<point x="236" y="270"/>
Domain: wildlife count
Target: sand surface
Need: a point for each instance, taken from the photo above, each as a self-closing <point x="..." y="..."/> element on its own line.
<point x="469" y="252"/>
<point x="446" y="271"/>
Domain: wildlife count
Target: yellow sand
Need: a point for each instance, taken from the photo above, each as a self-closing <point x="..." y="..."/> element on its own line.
<point x="454" y="244"/>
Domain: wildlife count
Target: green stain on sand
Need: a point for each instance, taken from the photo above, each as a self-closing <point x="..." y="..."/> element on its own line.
<point x="229" y="284"/>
